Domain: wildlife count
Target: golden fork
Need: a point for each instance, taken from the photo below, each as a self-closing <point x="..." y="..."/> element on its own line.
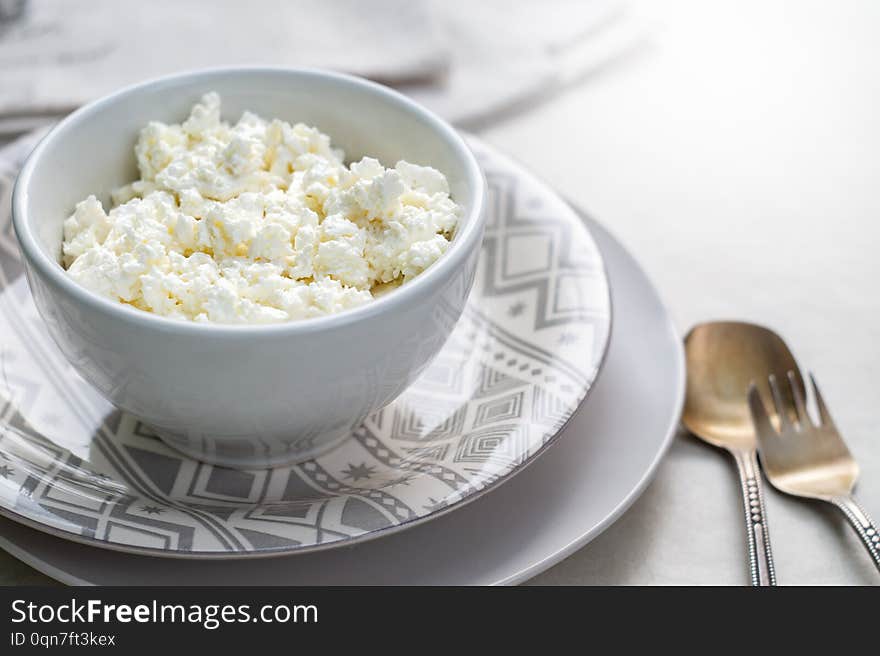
<point x="810" y="460"/>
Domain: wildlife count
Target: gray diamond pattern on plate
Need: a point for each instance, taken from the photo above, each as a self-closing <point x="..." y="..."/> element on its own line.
<point x="516" y="366"/>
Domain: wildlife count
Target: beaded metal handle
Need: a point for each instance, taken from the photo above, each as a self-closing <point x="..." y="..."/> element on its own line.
<point x="761" y="566"/>
<point x="863" y="525"/>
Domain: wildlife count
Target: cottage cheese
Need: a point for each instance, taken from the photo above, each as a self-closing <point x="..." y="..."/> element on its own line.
<point x="256" y="222"/>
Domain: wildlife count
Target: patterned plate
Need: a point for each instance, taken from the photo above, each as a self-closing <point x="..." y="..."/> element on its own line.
<point x="520" y="361"/>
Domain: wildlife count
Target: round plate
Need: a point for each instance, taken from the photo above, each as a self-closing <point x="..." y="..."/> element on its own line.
<point x="517" y="365"/>
<point x="604" y="459"/>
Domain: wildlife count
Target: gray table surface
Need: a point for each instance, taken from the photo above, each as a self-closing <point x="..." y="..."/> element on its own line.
<point x="735" y="154"/>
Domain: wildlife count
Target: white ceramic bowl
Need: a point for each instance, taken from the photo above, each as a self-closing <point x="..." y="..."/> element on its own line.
<point x="247" y="396"/>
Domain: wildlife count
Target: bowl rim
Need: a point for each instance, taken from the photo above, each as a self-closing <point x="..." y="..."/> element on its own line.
<point x="465" y="240"/>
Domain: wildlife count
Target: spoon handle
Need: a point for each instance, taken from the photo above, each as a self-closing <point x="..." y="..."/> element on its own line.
<point x="867" y="530"/>
<point x="760" y="556"/>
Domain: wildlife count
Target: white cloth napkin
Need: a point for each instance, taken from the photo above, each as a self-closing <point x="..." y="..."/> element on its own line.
<point x="62" y="53"/>
<point x="506" y="53"/>
<point x="464" y="59"/>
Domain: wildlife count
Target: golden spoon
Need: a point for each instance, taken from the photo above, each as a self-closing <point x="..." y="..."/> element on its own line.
<point x="723" y="359"/>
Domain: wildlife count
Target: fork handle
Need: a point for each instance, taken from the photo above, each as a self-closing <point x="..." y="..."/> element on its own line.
<point x="861" y="522"/>
<point x="761" y="566"/>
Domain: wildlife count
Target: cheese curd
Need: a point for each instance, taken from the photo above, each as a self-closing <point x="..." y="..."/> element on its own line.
<point x="256" y="222"/>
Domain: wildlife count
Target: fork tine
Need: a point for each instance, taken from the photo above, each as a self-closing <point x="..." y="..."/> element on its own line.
<point x="799" y="404"/>
<point x="781" y="412"/>
<point x="763" y="427"/>
<point x="824" y="415"/>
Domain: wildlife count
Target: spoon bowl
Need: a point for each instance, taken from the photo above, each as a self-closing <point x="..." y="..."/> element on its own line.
<point x="723" y="359"/>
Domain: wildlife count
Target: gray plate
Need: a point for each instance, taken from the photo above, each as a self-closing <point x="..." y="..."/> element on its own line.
<point x="517" y="365"/>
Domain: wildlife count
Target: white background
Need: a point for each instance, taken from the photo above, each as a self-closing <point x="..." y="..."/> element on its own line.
<point x="738" y="156"/>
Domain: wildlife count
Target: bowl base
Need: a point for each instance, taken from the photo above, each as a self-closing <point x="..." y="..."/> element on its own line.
<point x="261" y="461"/>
